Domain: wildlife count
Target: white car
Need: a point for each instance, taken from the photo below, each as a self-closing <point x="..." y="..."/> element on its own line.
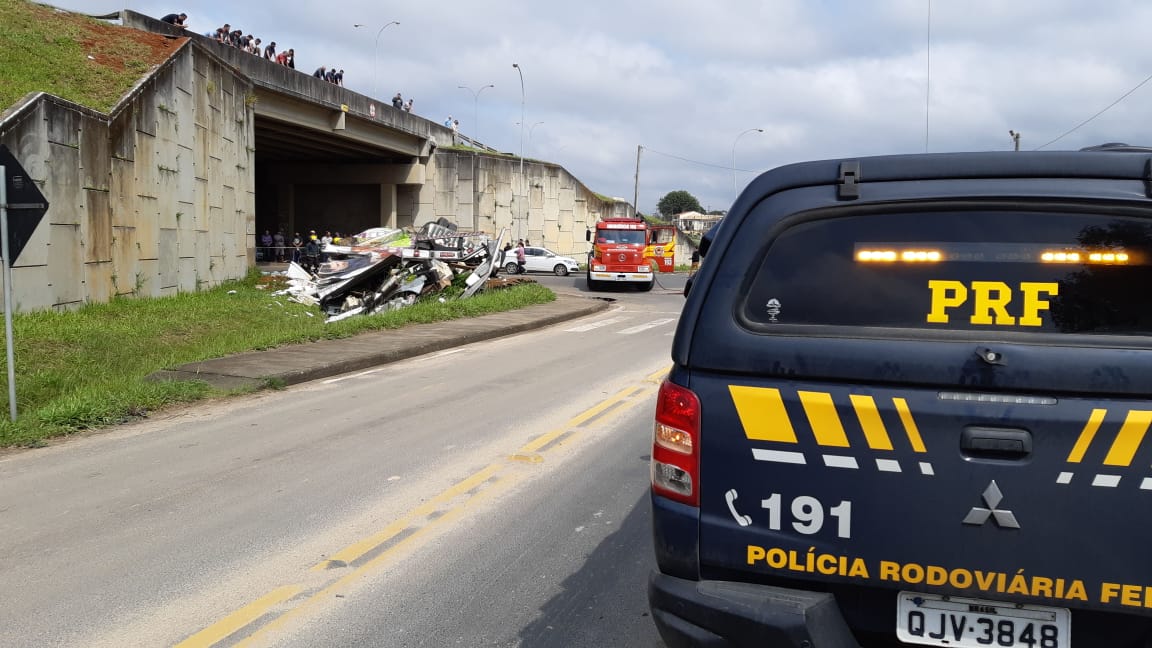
<point x="538" y="259"/>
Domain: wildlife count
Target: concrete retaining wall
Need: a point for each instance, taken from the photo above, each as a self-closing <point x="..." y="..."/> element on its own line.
<point x="549" y="206"/>
<point x="155" y="198"/>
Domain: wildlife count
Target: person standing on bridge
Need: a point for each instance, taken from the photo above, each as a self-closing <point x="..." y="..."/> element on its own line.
<point x="398" y="101"/>
<point x="319" y="73"/>
<point x="408" y="106"/>
<point x="175" y="19"/>
<point x="270" y="51"/>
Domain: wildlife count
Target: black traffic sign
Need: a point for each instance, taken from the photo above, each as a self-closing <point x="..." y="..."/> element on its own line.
<point x="26" y="205"/>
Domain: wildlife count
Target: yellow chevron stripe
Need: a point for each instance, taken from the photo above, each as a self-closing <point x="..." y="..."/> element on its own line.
<point x="825" y="421"/>
<point x="1087" y="435"/>
<point x="909" y="425"/>
<point x="762" y="413"/>
<point x="1128" y="441"/>
<point x="874" y="431"/>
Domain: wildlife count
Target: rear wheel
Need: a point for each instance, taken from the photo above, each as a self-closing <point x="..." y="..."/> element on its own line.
<point x="560" y="270"/>
<point x="511" y="268"/>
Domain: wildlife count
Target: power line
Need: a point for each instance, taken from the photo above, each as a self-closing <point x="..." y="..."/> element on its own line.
<point x="707" y="164"/>
<point x="1106" y="109"/>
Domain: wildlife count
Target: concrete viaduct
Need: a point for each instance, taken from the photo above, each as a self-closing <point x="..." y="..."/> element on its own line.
<point x="169" y="190"/>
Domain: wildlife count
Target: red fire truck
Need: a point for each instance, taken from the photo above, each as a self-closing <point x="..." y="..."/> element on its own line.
<point x="617" y="254"/>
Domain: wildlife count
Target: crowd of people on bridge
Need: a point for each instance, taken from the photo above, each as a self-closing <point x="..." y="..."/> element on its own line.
<point x="225" y="35"/>
<point x="399" y="104"/>
<point x="331" y="75"/>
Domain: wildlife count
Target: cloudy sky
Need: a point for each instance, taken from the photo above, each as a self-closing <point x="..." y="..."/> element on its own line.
<point x="688" y="80"/>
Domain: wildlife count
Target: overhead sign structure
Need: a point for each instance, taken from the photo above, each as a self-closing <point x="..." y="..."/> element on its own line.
<point x="22" y="206"/>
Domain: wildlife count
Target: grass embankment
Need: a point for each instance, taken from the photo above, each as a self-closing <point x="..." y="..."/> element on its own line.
<point x="84" y="60"/>
<point x="86" y="368"/>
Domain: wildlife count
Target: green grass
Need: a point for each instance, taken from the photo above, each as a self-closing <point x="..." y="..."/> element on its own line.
<point x="86" y="368"/>
<point x="42" y="49"/>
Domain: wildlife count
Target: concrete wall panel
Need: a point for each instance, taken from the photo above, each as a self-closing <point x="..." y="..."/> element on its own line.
<point x="122" y="195"/>
<point x="148" y="228"/>
<point x="63" y="124"/>
<point x="66" y="263"/>
<point x="95" y="163"/>
<point x="200" y="153"/>
<point x="98" y="281"/>
<point x="96" y="231"/>
<point x="125" y="260"/>
<point x="169" y="259"/>
<point x="189" y="282"/>
<point x="122" y="132"/>
<point x="31" y="288"/>
<point x="147" y="279"/>
<point x="63" y="190"/>
<point x="147" y="166"/>
<point x="204" y="262"/>
<point x="167" y="185"/>
<point x="145" y="112"/>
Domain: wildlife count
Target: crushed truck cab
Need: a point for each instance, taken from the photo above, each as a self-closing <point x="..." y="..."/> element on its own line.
<point x="909" y="406"/>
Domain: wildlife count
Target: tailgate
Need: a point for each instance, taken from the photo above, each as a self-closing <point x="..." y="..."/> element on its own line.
<point x="991" y="496"/>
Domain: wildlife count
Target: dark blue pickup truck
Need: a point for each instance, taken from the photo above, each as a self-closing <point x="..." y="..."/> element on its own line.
<point x="910" y="405"/>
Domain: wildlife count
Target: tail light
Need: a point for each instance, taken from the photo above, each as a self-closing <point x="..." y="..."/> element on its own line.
<point x="676" y="445"/>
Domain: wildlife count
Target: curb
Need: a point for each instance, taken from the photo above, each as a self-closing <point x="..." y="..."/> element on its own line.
<point x="322" y="359"/>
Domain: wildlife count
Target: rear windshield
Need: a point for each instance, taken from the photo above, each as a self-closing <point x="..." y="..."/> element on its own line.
<point x="992" y="270"/>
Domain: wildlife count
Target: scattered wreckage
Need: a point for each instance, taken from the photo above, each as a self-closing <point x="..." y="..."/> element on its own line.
<point x="386" y="269"/>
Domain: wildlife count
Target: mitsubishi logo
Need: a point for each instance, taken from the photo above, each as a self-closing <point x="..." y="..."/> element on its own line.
<point x="992" y="497"/>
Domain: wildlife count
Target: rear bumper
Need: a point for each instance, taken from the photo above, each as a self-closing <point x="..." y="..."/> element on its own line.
<point x="717" y="614"/>
<point x="636" y="277"/>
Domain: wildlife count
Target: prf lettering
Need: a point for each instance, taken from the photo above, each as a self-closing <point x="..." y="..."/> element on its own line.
<point x="990" y="301"/>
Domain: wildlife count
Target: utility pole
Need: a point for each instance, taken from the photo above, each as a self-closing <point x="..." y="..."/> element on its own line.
<point x="636" y="187"/>
<point x="1015" y="138"/>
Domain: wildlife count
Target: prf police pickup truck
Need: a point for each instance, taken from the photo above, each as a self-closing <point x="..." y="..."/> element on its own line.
<point x="909" y="406"/>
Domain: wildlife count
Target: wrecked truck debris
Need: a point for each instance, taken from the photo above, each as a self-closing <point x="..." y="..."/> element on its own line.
<point x="386" y="269"/>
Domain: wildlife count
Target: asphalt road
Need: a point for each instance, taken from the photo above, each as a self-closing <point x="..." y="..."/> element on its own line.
<point x="489" y="495"/>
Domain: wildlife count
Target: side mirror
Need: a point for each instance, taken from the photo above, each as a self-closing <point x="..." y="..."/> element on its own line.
<point x="706" y="241"/>
<point x="688" y="284"/>
<point x="587" y="235"/>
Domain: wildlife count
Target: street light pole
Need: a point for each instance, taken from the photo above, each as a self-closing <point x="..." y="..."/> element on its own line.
<point x="758" y="130"/>
<point x="531" y="129"/>
<point x="476" y="106"/>
<point x="376" y="57"/>
<point x="519" y="208"/>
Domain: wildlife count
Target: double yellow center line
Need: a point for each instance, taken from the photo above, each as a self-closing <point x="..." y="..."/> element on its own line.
<point x="258" y="619"/>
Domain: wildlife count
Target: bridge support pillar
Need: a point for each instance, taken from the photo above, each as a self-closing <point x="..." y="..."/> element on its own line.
<point x="388" y="205"/>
